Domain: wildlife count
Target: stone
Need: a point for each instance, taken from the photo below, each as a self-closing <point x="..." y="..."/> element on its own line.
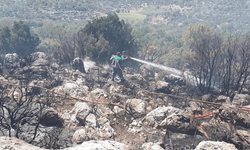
<point x="136" y="107"/>
<point x="151" y="146"/>
<point x="80" y="136"/>
<point x="81" y="111"/>
<point x="90" y="120"/>
<point x="223" y="99"/>
<point x="156" y="116"/>
<point x="100" y="145"/>
<point x="77" y="64"/>
<point x="215" y="145"/>
<point x="241" y="99"/>
<point x="50" y="118"/>
<point x="12" y="60"/>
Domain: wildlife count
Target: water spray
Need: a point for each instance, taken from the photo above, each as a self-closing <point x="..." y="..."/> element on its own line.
<point x="189" y="78"/>
<point x="165" y="68"/>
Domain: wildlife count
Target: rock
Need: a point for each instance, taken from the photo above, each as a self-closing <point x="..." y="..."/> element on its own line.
<point x="38" y="59"/>
<point x="100" y="145"/>
<point x="90" y="120"/>
<point x="182" y="122"/>
<point x="77" y="64"/>
<point x="174" y="80"/>
<point x="233" y="114"/>
<point x="162" y="86"/>
<point x="81" y="110"/>
<point x="207" y="97"/>
<point x="136" y="107"/>
<point x="45" y="137"/>
<point x="147" y="72"/>
<point x="138" y="80"/>
<point x="73" y="89"/>
<point x="223" y="99"/>
<point x="195" y="108"/>
<point x="105" y="130"/>
<point x="151" y="146"/>
<point x="241" y="99"/>
<point x="50" y="118"/>
<point x="97" y="93"/>
<point x="212" y="145"/>
<point x="117" y="109"/>
<point x="241" y="138"/>
<point x="215" y="130"/>
<point x="12" y="143"/>
<point x="156" y="116"/>
<point x="80" y="136"/>
<point x="182" y="141"/>
<point x="12" y="60"/>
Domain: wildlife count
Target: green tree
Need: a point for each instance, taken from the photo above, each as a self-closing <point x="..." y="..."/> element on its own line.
<point x="22" y="41"/>
<point x="117" y="33"/>
<point x="196" y="32"/>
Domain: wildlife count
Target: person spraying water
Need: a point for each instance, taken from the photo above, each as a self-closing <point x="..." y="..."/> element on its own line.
<point x="116" y="63"/>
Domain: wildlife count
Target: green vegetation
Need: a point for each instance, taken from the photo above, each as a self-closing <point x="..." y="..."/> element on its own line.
<point x="19" y="39"/>
<point x="152" y="10"/>
<point x="114" y="33"/>
<point x="132" y="18"/>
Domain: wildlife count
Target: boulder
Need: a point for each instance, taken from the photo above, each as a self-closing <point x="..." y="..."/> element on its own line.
<point x="73" y="89"/>
<point x="147" y="72"/>
<point x="241" y="138"/>
<point x="100" y="145"/>
<point x="38" y="59"/>
<point x="50" y="118"/>
<point x="160" y="86"/>
<point x="97" y="93"/>
<point x="90" y="121"/>
<point x="156" y="116"/>
<point x="223" y="99"/>
<point x="232" y="113"/>
<point x="136" y="107"/>
<point x="12" y="143"/>
<point x="174" y="80"/>
<point x="215" y="130"/>
<point x="12" y="60"/>
<point x="207" y="97"/>
<point x="182" y="141"/>
<point x="138" y="79"/>
<point x="80" y="136"/>
<point x="77" y="64"/>
<point x="195" y="107"/>
<point x="151" y="146"/>
<point x="212" y="145"/>
<point x="80" y="111"/>
<point x="241" y="99"/>
<point x="105" y="130"/>
<point x="182" y="122"/>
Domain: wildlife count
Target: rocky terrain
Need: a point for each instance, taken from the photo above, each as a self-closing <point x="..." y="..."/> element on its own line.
<point x="76" y="106"/>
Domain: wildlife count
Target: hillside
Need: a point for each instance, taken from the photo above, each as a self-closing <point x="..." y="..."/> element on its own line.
<point x="228" y="15"/>
<point x="59" y="107"/>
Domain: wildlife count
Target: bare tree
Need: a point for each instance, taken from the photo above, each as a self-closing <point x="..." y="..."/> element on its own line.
<point x="204" y="61"/>
<point x="21" y="111"/>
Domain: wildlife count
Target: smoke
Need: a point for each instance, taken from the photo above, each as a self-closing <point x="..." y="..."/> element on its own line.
<point x="88" y="64"/>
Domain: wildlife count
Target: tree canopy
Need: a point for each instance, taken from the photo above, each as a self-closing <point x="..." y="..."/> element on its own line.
<point x="115" y="35"/>
<point x="18" y="39"/>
